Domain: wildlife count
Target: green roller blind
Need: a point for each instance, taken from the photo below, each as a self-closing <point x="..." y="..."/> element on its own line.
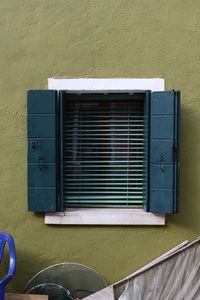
<point x="103" y="142"/>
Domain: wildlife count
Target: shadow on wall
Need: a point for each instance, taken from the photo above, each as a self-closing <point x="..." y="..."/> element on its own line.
<point x="189" y="172"/>
<point x="25" y="269"/>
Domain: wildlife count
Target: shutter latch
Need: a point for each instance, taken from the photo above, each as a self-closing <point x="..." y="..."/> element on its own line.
<point x="33" y="144"/>
<point x="162" y="163"/>
<point x="173" y="149"/>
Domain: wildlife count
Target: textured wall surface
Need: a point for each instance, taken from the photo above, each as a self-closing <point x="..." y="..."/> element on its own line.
<point x="95" y="38"/>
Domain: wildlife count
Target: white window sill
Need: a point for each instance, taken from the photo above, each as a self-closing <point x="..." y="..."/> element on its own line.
<point x="104" y="216"/>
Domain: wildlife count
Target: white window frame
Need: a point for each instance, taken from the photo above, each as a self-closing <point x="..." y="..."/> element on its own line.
<point x="105" y="216"/>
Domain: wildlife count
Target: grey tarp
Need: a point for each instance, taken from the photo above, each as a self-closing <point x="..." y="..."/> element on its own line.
<point x="173" y="276"/>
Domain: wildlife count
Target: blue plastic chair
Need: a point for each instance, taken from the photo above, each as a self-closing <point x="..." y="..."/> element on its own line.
<point x="7" y="238"/>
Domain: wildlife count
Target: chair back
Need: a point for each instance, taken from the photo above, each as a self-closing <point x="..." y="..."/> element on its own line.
<point x="7" y="239"/>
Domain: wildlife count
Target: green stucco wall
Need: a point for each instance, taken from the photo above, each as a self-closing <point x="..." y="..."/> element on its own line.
<point x="95" y="38"/>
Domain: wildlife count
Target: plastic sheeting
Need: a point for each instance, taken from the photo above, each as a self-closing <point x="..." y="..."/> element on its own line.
<point x="174" y="278"/>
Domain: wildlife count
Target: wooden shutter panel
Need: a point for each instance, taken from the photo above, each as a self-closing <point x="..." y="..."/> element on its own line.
<point x="164" y="152"/>
<point x="42" y="150"/>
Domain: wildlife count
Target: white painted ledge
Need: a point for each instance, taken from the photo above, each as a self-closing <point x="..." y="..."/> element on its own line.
<point x="104" y="216"/>
<point x="106" y="84"/>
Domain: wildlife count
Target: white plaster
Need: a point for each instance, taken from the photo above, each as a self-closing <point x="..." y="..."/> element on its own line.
<point x="104" y="216"/>
<point x="106" y="84"/>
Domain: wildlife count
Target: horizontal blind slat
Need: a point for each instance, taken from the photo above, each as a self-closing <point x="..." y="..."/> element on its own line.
<point x="101" y="197"/>
<point x="106" y="184"/>
<point x="97" y="130"/>
<point x="137" y="175"/>
<point x="109" y="179"/>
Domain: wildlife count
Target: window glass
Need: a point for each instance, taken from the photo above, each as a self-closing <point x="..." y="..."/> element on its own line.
<point x="103" y="150"/>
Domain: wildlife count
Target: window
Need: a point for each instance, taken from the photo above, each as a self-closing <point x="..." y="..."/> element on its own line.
<point x="110" y="151"/>
<point x="103" y="150"/>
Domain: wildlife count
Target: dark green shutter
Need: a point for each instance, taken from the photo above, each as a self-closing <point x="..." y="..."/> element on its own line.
<point x="161" y="120"/>
<point x="42" y="150"/>
<point x="164" y="152"/>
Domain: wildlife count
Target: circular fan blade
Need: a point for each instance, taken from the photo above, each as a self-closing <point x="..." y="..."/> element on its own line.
<point x="71" y="280"/>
